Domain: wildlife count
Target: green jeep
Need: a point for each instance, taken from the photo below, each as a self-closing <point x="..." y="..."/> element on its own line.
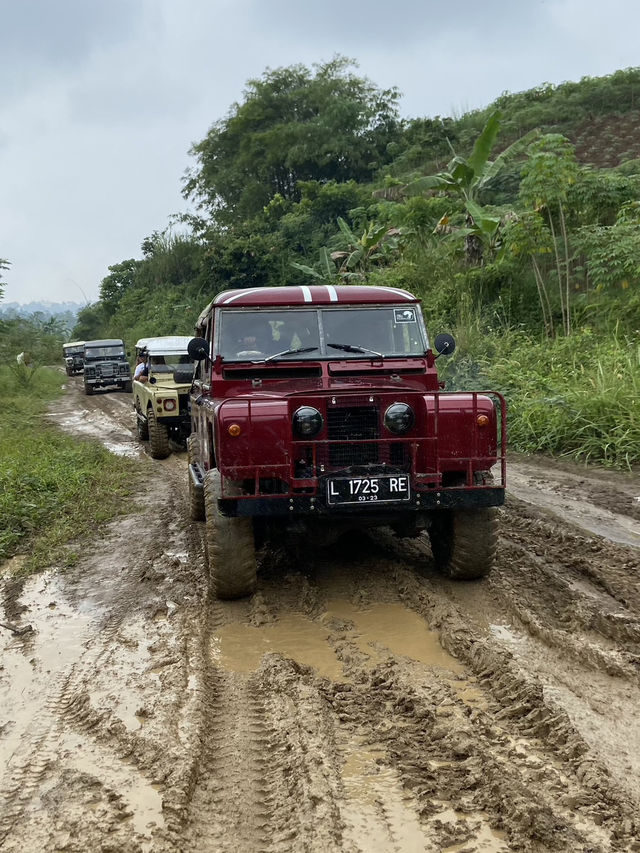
<point x="161" y="393"/>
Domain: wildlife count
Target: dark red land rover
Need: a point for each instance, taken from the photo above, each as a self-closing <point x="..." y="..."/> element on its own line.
<point x="319" y="409"/>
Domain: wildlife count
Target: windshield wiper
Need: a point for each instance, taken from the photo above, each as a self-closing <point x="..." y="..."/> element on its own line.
<point x="286" y="352"/>
<point x="352" y="348"/>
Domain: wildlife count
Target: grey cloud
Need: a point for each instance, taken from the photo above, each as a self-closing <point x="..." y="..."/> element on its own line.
<point x="57" y="36"/>
<point x="396" y="24"/>
<point x="61" y="31"/>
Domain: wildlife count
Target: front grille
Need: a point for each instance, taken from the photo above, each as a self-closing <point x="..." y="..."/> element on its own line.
<point x="106" y="370"/>
<point x="353" y="424"/>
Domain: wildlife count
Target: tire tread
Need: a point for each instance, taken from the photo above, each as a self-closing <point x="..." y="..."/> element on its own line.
<point x="230" y="546"/>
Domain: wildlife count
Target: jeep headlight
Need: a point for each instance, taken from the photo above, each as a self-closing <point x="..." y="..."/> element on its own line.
<point x="399" y="418"/>
<point x="307" y="422"/>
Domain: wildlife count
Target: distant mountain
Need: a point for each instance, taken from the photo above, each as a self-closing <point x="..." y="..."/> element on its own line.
<point x="49" y="309"/>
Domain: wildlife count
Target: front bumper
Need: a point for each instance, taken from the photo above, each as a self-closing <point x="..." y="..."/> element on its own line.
<point x="316" y="505"/>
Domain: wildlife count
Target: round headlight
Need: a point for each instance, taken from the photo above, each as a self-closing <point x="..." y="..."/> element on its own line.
<point x="307" y="421"/>
<point x="399" y="418"/>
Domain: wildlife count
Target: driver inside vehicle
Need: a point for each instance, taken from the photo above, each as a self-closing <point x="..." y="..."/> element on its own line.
<point x="252" y="343"/>
<point x="254" y="339"/>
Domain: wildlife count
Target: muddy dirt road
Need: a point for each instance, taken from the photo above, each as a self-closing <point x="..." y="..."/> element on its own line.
<point x="357" y="702"/>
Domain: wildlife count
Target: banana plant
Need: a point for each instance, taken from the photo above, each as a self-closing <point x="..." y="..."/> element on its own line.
<point x="376" y="243"/>
<point x="467" y="177"/>
<point x="326" y="271"/>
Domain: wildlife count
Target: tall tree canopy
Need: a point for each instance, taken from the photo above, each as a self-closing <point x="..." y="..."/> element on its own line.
<point x="295" y="124"/>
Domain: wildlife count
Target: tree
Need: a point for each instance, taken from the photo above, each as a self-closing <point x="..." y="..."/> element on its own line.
<point x="121" y="278"/>
<point x="294" y="125"/>
<point x="91" y="323"/>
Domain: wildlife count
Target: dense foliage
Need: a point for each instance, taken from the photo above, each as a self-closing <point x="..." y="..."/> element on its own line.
<point x="504" y="221"/>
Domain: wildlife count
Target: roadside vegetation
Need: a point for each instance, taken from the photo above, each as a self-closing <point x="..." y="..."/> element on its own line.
<point x="54" y="489"/>
<point x="518" y="225"/>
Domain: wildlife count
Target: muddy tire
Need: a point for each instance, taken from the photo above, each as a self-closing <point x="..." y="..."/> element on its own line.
<point x="128" y="387"/>
<point x="142" y="425"/>
<point x="88" y="389"/>
<point x="230" y="546"/>
<point x="158" y="437"/>
<point x="196" y="496"/>
<point x="464" y="542"/>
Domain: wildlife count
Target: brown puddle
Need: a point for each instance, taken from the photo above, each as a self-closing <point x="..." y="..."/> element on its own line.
<point x="42" y="656"/>
<point x="395" y="628"/>
<point x="240" y="648"/>
<point x="100" y="426"/>
<point x="380" y="816"/>
<point x="377" y="630"/>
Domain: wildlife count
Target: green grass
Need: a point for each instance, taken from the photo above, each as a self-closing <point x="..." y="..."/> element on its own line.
<point x="576" y="397"/>
<point x="55" y="489"/>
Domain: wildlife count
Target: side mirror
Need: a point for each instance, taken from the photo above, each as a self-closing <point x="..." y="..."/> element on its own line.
<point x="198" y="349"/>
<point x="183" y="376"/>
<point x="444" y="344"/>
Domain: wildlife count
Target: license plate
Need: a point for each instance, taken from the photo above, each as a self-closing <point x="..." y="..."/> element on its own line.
<point x="364" y="490"/>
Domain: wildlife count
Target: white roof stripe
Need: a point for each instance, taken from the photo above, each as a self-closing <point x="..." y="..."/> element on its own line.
<point x="239" y="295"/>
<point x="333" y="293"/>
<point x="398" y="291"/>
<point x="306" y="293"/>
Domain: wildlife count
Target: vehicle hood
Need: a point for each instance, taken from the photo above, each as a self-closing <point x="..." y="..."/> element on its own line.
<point x="284" y="388"/>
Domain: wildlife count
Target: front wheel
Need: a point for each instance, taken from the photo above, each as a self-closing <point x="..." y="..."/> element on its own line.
<point x="143" y="427"/>
<point x="230" y="546"/>
<point x="128" y="387"/>
<point x="464" y="542"/>
<point x="158" y="437"/>
<point x="88" y="389"/>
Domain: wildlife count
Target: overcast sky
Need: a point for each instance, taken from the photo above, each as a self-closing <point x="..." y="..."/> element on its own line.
<point x="100" y="100"/>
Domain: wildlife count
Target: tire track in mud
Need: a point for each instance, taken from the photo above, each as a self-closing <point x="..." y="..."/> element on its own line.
<point x="451" y="758"/>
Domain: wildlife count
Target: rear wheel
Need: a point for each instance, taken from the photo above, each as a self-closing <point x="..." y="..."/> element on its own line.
<point x="158" y="437"/>
<point x="464" y="542"/>
<point x="231" y="552"/>
<point x="196" y="496"/>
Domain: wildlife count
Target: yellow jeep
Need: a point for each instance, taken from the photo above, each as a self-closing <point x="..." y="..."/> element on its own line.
<point x="161" y="394"/>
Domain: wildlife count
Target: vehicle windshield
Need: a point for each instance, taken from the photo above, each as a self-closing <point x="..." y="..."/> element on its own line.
<point x="336" y="333"/>
<point x="73" y="350"/>
<point x="104" y="352"/>
<point x="168" y="363"/>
